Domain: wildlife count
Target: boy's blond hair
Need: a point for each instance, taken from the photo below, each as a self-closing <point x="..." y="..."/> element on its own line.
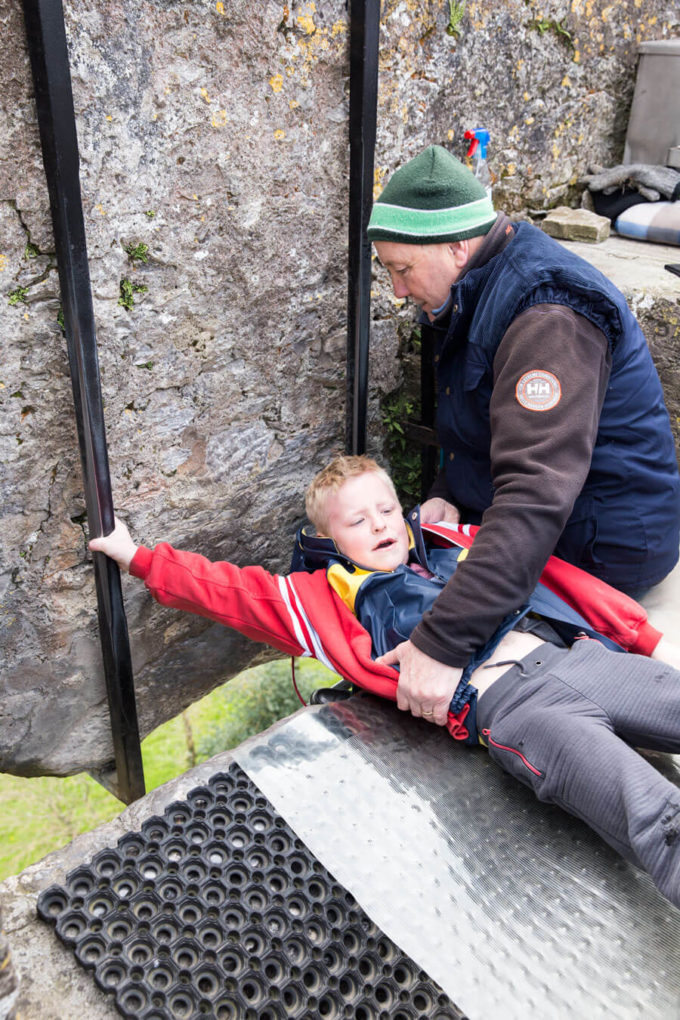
<point x="333" y="477"/>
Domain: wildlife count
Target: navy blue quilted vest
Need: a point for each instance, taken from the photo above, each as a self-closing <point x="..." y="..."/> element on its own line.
<point x="625" y="525"/>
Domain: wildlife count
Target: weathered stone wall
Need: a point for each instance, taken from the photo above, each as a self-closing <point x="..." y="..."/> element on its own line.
<point x="215" y="134"/>
<point x="552" y="82"/>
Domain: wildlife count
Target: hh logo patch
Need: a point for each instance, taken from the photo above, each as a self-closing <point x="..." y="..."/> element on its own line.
<point x="538" y="390"/>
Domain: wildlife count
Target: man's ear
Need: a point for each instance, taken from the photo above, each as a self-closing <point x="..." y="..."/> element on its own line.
<point x="460" y="251"/>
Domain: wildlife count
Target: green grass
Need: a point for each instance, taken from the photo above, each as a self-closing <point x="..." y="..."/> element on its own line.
<point x="43" y="814"/>
<point x="40" y="815"/>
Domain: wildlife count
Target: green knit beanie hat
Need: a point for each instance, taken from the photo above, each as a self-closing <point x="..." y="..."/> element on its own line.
<point x="430" y="199"/>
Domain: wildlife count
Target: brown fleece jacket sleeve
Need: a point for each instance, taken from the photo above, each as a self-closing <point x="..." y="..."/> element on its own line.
<point x="539" y="462"/>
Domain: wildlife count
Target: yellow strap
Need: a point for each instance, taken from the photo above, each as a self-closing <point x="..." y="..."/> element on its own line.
<point x="347" y="585"/>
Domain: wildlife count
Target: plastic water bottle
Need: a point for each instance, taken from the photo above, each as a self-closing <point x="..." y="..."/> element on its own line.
<point x="476" y="157"/>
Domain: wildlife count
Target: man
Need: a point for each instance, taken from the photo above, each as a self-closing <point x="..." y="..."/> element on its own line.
<point x="550" y="414"/>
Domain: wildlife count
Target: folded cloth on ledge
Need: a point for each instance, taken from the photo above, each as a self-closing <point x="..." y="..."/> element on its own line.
<point x="651" y="221"/>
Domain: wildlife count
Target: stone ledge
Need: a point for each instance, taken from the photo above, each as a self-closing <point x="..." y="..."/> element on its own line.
<point x="637" y="269"/>
<point x="634" y="266"/>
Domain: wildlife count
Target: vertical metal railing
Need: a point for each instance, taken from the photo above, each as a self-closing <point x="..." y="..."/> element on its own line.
<point x="363" y="105"/>
<point x="429" y="452"/>
<point x="46" y="36"/>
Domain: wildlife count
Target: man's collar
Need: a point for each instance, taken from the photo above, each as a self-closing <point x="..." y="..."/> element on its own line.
<point x="498" y="238"/>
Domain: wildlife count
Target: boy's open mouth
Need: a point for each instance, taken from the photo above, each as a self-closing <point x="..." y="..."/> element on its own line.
<point x="385" y="544"/>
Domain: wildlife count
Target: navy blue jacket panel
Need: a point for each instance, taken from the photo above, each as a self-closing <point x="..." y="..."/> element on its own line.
<point x="625" y="525"/>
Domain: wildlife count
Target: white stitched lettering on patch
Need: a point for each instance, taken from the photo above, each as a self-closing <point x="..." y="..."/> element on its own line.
<point x="538" y="390"/>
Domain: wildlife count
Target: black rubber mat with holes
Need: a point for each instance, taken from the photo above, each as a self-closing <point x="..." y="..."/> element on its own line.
<point x="218" y="910"/>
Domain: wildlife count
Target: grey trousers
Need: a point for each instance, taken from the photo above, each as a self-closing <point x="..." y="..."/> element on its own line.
<point x="565" y="722"/>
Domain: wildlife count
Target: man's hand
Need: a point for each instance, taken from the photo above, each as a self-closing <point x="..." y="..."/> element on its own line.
<point x="425" y="685"/>
<point x="434" y="510"/>
<point x="118" y="545"/>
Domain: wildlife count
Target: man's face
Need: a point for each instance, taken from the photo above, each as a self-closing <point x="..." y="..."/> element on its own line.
<point x="366" y="524"/>
<point x="423" y="272"/>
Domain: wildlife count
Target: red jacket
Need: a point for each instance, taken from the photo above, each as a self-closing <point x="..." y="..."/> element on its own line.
<point x="301" y="615"/>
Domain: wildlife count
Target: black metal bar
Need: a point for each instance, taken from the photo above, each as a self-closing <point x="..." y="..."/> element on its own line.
<point x="429" y="454"/>
<point x="363" y="105"/>
<point x="420" y="435"/>
<point x="47" y="46"/>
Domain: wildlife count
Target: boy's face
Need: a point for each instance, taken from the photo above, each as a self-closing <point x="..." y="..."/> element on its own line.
<point x="365" y="522"/>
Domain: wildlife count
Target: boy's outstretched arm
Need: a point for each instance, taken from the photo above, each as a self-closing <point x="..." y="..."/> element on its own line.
<point x="118" y="545"/>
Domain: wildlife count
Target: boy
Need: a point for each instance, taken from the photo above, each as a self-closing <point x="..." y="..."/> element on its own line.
<point x="561" y="719"/>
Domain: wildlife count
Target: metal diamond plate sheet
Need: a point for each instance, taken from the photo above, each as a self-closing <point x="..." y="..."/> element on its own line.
<point x="513" y="907"/>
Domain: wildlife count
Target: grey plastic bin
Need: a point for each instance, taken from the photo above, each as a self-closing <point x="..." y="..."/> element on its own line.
<point x="654" y="125"/>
